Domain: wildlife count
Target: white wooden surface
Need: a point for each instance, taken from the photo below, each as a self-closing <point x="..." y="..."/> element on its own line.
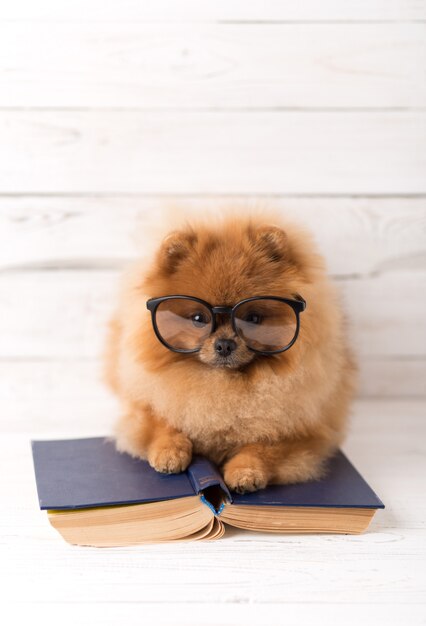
<point x="234" y="10"/>
<point x="246" y="578"/>
<point x="137" y="65"/>
<point x="201" y="152"/>
<point x="113" y="111"/>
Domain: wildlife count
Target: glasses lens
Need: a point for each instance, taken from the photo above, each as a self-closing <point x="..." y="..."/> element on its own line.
<point x="266" y="325"/>
<point x="183" y="323"/>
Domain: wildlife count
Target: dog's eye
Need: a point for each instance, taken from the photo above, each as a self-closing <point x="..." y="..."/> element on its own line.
<point x="199" y="320"/>
<point x="253" y="318"/>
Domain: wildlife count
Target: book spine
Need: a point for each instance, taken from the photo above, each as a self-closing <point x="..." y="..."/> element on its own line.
<point x="204" y="475"/>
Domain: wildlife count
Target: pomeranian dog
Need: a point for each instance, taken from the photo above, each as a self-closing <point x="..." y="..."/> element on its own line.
<point x="232" y="345"/>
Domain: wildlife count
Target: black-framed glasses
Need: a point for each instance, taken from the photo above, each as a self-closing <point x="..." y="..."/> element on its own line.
<point x="267" y="324"/>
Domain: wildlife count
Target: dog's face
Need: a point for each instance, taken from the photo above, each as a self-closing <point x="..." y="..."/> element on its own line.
<point x="222" y="266"/>
<point x="224" y="348"/>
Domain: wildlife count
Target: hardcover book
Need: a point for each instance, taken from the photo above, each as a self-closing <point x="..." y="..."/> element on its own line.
<point x="96" y="496"/>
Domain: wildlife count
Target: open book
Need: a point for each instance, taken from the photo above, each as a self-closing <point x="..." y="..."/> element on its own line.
<point x="96" y="496"/>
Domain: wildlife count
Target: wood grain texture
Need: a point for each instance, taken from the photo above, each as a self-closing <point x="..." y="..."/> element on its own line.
<point x="249" y="575"/>
<point x="240" y="613"/>
<point x="387" y="377"/>
<point x="233" y="10"/>
<point x="131" y="65"/>
<point x="45" y="396"/>
<point x="358" y="236"/>
<point x="213" y="152"/>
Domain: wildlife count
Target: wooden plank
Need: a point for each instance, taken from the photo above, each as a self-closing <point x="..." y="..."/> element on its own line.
<point x="48" y="398"/>
<point x="249" y="614"/>
<point x="45" y="397"/>
<point x="64" y="314"/>
<point x="55" y="314"/>
<point x="213" y="152"/>
<point x="392" y="377"/>
<point x="233" y="10"/>
<point x="386" y="314"/>
<point x="130" y="65"/>
<point x="377" y="570"/>
<point x="358" y="236"/>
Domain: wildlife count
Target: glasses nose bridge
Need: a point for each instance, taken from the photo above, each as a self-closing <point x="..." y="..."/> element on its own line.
<point x="221" y="310"/>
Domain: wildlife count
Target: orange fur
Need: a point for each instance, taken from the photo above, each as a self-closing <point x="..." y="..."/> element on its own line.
<point x="265" y="419"/>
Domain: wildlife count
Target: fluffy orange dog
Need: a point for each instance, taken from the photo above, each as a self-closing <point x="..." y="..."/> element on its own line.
<point x="241" y="373"/>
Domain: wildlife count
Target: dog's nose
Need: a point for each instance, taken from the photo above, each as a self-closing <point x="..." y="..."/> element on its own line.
<point x="224" y="347"/>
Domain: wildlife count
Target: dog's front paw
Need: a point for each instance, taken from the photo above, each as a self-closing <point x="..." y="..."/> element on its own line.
<point x="242" y="478"/>
<point x="171" y="457"/>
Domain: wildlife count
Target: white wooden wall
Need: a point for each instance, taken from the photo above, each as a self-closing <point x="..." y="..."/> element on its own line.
<point x="109" y="110"/>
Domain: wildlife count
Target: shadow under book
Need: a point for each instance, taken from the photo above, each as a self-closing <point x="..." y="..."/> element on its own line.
<point x="96" y="496"/>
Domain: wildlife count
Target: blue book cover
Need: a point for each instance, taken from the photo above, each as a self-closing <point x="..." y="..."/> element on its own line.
<point x="85" y="473"/>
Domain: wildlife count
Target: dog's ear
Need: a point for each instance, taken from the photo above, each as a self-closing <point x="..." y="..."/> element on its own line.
<point x="272" y="241"/>
<point x="175" y="247"/>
